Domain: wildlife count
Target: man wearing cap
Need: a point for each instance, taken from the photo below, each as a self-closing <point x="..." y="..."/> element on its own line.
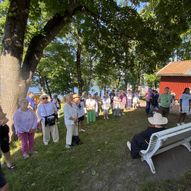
<point x="141" y="140"/>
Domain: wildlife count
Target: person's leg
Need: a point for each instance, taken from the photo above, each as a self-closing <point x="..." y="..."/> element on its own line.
<point x="31" y="142"/>
<point x="69" y="134"/>
<point x="166" y="112"/>
<point x="24" y="143"/>
<point x="3" y="183"/>
<point x="104" y="114"/>
<point x="179" y="119"/>
<point x="93" y="116"/>
<point x="88" y="116"/>
<point x="183" y="117"/>
<point x="81" y="124"/>
<point x="45" y="133"/>
<point x="107" y="114"/>
<point x="162" y="111"/>
<point x="114" y="112"/>
<point x="54" y="133"/>
<point x="6" y="153"/>
<point x="75" y="137"/>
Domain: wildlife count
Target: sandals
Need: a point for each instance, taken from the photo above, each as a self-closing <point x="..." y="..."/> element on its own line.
<point x="12" y="167"/>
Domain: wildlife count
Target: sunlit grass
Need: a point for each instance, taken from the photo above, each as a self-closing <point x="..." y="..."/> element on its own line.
<point x="90" y="166"/>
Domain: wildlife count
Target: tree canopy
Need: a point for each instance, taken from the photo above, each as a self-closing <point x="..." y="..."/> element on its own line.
<point x="106" y="41"/>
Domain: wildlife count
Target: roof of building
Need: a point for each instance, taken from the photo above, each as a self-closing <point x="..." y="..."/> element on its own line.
<point x="179" y="68"/>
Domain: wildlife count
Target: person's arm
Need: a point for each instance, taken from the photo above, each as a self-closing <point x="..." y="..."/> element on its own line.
<point x="34" y="119"/>
<point x="159" y="99"/>
<point x="16" y="122"/>
<point x="189" y="104"/>
<point x="38" y="112"/>
<point x="67" y="114"/>
<point x="181" y="105"/>
<point x="54" y="107"/>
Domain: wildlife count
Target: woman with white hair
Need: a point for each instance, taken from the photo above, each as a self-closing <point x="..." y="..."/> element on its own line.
<point x="70" y="120"/>
<point x="25" y="123"/>
<point x="47" y="115"/>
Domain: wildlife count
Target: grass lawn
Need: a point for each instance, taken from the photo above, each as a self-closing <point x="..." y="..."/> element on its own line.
<point x="101" y="163"/>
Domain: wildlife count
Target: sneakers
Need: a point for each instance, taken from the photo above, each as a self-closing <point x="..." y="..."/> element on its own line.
<point x="11" y="167"/>
<point x="129" y="145"/>
<point x="25" y="156"/>
<point x="68" y="147"/>
<point x="82" y="130"/>
<point x="45" y="143"/>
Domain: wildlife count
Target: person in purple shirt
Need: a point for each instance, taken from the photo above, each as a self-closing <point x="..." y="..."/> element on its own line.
<point x="31" y="101"/>
<point x="25" y="123"/>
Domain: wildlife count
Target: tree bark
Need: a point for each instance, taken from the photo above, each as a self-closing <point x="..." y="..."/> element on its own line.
<point x="78" y="64"/>
<point x="15" y="28"/>
<point x="48" y="88"/>
<point x="11" y="85"/>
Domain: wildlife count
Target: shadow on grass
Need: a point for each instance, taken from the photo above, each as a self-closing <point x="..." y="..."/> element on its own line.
<point x="101" y="163"/>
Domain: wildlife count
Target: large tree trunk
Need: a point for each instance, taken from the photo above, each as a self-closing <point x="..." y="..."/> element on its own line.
<point x="15" y="76"/>
<point x="48" y="88"/>
<point x="10" y="85"/>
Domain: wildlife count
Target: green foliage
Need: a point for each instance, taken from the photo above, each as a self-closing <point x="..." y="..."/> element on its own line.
<point x="58" y="66"/>
<point x="151" y="79"/>
<point x="3" y="12"/>
<point x="119" y="42"/>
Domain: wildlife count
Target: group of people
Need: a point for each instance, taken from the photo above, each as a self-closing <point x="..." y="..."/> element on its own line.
<point x="117" y="101"/>
<point x="29" y="115"/>
<point x="159" y="119"/>
<point x="25" y="120"/>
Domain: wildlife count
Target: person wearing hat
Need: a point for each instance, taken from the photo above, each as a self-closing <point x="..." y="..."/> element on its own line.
<point x="47" y="115"/>
<point x="141" y="140"/>
<point x="79" y="104"/>
<point x="25" y="123"/>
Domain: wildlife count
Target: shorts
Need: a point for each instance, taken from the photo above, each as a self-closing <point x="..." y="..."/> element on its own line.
<point x="4" y="137"/>
<point x="2" y="179"/>
<point x="81" y="118"/>
<point x="164" y="111"/>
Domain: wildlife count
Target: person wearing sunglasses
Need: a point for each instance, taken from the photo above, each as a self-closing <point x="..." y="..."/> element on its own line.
<point x="47" y="115"/>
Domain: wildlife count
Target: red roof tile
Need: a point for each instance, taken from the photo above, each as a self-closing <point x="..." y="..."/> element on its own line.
<point x="179" y="68"/>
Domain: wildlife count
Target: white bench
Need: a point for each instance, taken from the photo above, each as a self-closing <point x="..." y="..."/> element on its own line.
<point x="165" y="140"/>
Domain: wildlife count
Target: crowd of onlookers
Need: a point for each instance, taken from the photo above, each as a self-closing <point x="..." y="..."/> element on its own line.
<point x="159" y="105"/>
<point x="44" y="115"/>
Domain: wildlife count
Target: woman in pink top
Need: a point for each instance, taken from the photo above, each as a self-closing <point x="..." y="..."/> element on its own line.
<point x="25" y="123"/>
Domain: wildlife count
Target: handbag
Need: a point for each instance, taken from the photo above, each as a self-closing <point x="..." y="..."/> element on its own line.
<point x="50" y="119"/>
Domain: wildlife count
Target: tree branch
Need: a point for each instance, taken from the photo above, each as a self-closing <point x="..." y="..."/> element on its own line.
<point x="40" y="41"/>
<point x="15" y="28"/>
